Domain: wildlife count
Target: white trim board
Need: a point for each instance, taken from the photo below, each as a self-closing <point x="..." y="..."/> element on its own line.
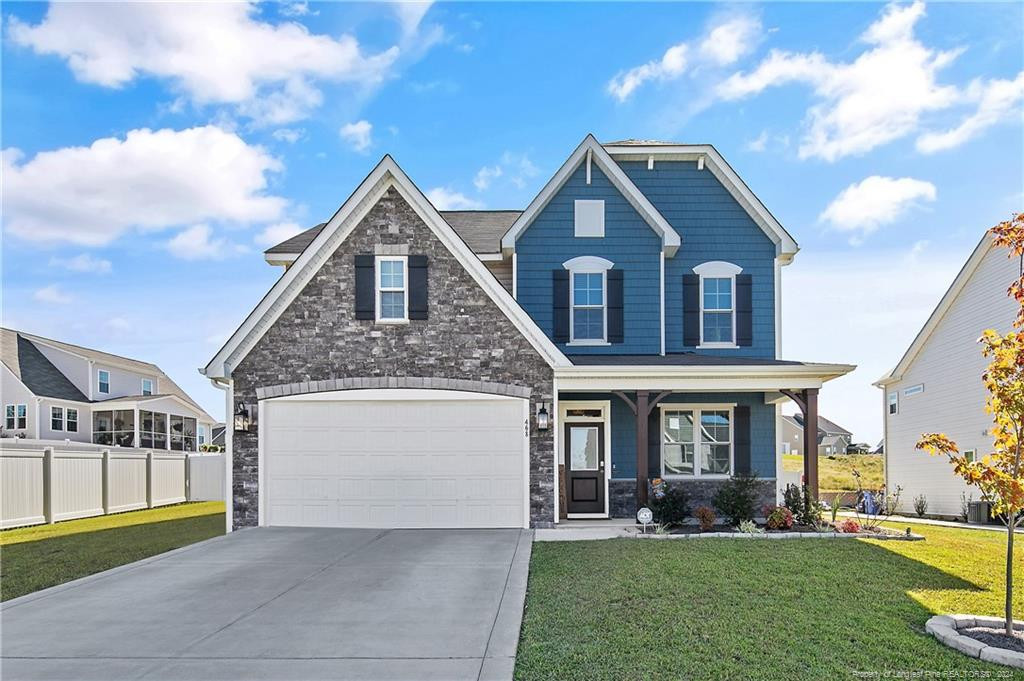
<point x="590" y="146"/>
<point x="385" y="175"/>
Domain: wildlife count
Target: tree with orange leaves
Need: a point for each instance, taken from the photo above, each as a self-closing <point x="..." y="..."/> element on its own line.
<point x="1000" y="474"/>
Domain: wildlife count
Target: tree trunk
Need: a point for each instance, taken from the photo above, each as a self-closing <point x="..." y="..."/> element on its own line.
<point x="1009" y="576"/>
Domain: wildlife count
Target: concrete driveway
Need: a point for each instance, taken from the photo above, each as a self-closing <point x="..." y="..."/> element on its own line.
<point x="285" y="603"/>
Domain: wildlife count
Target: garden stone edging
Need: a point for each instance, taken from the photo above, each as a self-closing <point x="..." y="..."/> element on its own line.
<point x="945" y="629"/>
<point x="784" y="535"/>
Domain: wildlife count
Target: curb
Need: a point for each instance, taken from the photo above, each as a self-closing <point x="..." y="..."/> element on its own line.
<point x="946" y="629"/>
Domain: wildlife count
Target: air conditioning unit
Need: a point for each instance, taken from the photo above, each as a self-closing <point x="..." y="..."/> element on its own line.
<point x="978" y="512"/>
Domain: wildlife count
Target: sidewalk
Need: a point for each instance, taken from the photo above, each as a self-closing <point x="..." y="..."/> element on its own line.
<point x="940" y="523"/>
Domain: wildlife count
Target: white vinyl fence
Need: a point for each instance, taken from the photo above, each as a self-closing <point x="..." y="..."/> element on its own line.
<point x="46" y="482"/>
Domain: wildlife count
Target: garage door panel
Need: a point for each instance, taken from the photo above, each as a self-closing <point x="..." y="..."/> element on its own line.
<point x="400" y="463"/>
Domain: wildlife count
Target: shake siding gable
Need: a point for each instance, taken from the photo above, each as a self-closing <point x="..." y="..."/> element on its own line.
<point x="712" y="226"/>
<point x="629" y="242"/>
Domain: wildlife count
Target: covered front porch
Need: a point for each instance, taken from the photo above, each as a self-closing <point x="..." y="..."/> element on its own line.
<point x="619" y="427"/>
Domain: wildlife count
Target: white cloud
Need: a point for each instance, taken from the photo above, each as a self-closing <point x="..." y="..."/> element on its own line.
<point x="296" y="9"/>
<point x="875" y="99"/>
<point x="760" y="143"/>
<point x="875" y="201"/>
<point x="82" y="263"/>
<point x="997" y="100"/>
<point x="448" y="199"/>
<point x="52" y="294"/>
<point x="519" y="167"/>
<point x="213" y="53"/>
<point x="485" y="175"/>
<point x="289" y="135"/>
<point x="276" y="233"/>
<point x="728" y="39"/>
<point x="195" y="243"/>
<point x="358" y="135"/>
<point x="148" y="180"/>
<point x="410" y="15"/>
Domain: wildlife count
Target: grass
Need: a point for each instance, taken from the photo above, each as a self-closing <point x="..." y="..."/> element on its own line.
<point x="34" y="558"/>
<point x="742" y="609"/>
<point x="837" y="474"/>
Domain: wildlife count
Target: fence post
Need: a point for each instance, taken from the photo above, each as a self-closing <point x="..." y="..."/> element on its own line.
<point x="106" y="481"/>
<point x="48" y="485"/>
<point x="188" y="478"/>
<point x="149" y="479"/>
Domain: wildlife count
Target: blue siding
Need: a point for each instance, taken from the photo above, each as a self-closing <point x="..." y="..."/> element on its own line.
<point x="629" y="242"/>
<point x="712" y="226"/>
<point x="623" y="436"/>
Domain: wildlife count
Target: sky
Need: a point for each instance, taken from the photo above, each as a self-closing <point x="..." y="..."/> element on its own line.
<point x="152" y="151"/>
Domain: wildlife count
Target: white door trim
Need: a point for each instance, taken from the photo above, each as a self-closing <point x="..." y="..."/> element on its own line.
<point x="606" y="417"/>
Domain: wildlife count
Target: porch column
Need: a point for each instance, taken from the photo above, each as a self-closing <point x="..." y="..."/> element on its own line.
<point x="811" y="440"/>
<point x="641" y="410"/>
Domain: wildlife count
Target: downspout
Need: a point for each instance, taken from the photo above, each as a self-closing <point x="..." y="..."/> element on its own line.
<point x="229" y="428"/>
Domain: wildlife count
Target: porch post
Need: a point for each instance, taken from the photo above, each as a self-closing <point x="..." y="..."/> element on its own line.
<point x="811" y="440"/>
<point x="641" y="446"/>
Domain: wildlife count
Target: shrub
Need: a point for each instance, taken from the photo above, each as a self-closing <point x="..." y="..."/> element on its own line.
<point x="778" y="518"/>
<point x="848" y="526"/>
<point x="706" y="517"/>
<point x="671" y="505"/>
<point x="812" y="508"/>
<point x="750" y="527"/>
<point x="792" y="498"/>
<point x="920" y="505"/>
<point x="737" y="498"/>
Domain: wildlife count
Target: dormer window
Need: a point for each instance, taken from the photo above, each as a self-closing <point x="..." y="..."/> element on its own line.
<point x="147" y="386"/>
<point x="717" y="304"/>
<point x="589" y="218"/>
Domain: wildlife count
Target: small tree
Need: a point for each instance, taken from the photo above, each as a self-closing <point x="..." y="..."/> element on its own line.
<point x="999" y="475"/>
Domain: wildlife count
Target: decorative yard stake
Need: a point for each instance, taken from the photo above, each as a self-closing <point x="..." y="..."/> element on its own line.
<point x="1000" y="475"/>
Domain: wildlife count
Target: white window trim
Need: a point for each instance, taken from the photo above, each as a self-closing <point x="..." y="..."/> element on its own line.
<point x="597" y="233"/>
<point x="892" y="400"/>
<point x="697" y="409"/>
<point x="913" y="390"/>
<point x="14" y="419"/>
<point x="60" y="418"/>
<point x="100" y="382"/>
<point x="404" y="259"/>
<point x="68" y="420"/>
<point x="972" y="454"/>
<point x="152" y="386"/>
<point x="718" y="269"/>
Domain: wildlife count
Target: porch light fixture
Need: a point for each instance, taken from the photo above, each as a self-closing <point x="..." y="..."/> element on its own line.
<point x="543" y="417"/>
<point x="241" y="419"/>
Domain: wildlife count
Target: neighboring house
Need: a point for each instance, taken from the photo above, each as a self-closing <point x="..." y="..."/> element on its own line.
<point x="413" y="368"/>
<point x="218" y="436"/>
<point x="879" y="448"/>
<point x="937" y="387"/>
<point x="832" y="439"/>
<point x="52" y="390"/>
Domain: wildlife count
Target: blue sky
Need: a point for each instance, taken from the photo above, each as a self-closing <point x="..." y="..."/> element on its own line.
<point x="150" y="152"/>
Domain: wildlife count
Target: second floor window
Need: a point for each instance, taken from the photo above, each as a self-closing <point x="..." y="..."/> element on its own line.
<point x="717" y="308"/>
<point x="103" y="379"/>
<point x="72" y="420"/>
<point x="16" y="416"/>
<point x="588" y="306"/>
<point x="392" y="292"/>
<point x="147" y="386"/>
<point x="56" y="418"/>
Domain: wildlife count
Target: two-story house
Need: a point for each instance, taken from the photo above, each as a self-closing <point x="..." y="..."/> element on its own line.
<point x="52" y="390"/>
<point x="416" y="368"/>
<point x="833" y="439"/>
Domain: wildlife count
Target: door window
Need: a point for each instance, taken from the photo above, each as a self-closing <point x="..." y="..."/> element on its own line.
<point x="583" y="448"/>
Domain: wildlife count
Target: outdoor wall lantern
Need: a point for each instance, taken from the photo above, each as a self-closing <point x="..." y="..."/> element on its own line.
<point x="242" y="420"/>
<point x="543" y="417"/>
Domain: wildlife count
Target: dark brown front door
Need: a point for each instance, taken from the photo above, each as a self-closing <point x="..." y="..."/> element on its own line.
<point x="584" y="467"/>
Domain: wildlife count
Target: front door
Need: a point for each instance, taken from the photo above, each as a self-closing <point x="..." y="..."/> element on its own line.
<point x="584" y="467"/>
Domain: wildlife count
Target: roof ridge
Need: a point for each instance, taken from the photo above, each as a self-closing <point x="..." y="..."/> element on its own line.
<point x="32" y="336"/>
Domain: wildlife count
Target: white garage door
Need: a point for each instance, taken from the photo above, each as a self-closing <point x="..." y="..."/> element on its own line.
<point x="394" y="458"/>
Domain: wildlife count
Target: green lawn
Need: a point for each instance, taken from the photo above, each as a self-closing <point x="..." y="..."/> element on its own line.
<point x="34" y="558"/>
<point x="742" y="609"/>
<point x="837" y="474"/>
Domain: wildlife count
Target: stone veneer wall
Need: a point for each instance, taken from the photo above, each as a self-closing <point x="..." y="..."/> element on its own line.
<point x="622" y="495"/>
<point x="467" y="337"/>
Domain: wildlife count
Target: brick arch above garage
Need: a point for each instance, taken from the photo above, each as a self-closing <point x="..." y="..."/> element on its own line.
<point x="379" y="382"/>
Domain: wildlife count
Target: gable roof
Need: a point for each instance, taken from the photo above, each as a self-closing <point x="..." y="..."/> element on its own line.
<point x="23" y="358"/>
<point x="385" y="175"/>
<point x="590" y="149"/>
<point x="825" y="427"/>
<point x="636" y="150"/>
<point x="986" y="244"/>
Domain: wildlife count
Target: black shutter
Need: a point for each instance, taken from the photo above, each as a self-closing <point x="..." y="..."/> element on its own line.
<point x="417" y="287"/>
<point x="616" y="332"/>
<point x="691" y="310"/>
<point x="744" y="310"/>
<point x="366" y="307"/>
<point x="560" y="305"/>
<point x="741" y="439"/>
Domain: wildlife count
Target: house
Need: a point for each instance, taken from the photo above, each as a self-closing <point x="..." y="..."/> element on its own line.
<point x="412" y="368"/>
<point x="937" y="387"/>
<point x="53" y="390"/>
<point x="832" y="439"/>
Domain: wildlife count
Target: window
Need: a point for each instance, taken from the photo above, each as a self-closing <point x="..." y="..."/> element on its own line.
<point x="392" y="292"/>
<point x="114" y="427"/>
<point x="894" y="403"/>
<point x="971" y="455"/>
<point x="71" y="424"/>
<point x="913" y="390"/>
<point x="152" y="430"/>
<point x="147" y="386"/>
<point x="588" y="307"/>
<point x="103" y="378"/>
<point x="183" y="433"/>
<point x="696" y="441"/>
<point x="717" y="303"/>
<point x="589" y="218"/>
<point x="56" y="418"/>
<point x="201" y="435"/>
<point x="22" y="416"/>
<point x="9" y="417"/>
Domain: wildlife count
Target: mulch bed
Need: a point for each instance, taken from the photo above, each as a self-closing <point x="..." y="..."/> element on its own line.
<point x="995" y="637"/>
<point x="695" y="529"/>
